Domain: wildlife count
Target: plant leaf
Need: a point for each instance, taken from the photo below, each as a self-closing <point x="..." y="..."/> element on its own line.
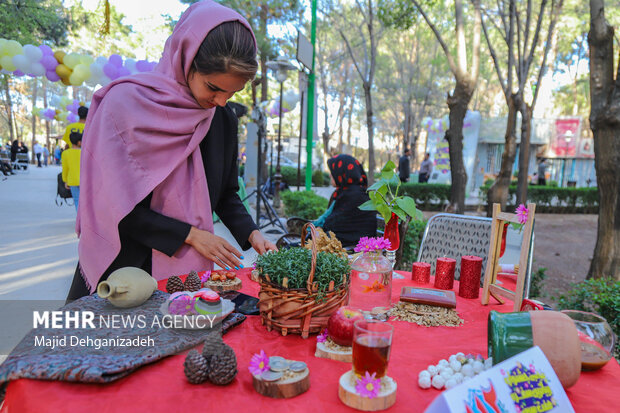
<point x="408" y="205"/>
<point x="385" y="212"/>
<point x="376" y="186"/>
<point x="389" y="166"/>
<point x="368" y="206"/>
<point x="400" y="213"/>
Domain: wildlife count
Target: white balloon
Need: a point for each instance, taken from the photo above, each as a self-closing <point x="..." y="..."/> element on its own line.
<point x="55" y="101"/>
<point x="22" y="63"/>
<point x="37" y="69"/>
<point x="33" y="53"/>
<point x="101" y="60"/>
<point x="291" y="98"/>
<point x="96" y="70"/>
<point x="131" y="65"/>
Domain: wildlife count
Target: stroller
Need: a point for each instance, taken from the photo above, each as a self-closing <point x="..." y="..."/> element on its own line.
<point x="63" y="194"/>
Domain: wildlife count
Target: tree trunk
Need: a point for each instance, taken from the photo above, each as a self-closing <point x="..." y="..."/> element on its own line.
<point x="8" y="106"/>
<point x="498" y="193"/>
<point x="524" y="152"/>
<point x="604" y="122"/>
<point x="371" y="133"/>
<point x="457" y="103"/>
<point x="35" y="91"/>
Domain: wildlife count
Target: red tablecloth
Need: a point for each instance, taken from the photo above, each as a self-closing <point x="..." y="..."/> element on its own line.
<point x="161" y="387"/>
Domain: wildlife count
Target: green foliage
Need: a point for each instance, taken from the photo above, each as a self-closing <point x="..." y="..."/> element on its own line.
<point x="538" y="277"/>
<point x="295" y="263"/>
<point x="34" y="21"/>
<point x="411" y="244"/>
<point x="601" y="296"/>
<point x="303" y="204"/>
<point x="387" y="201"/>
<point x="289" y="175"/>
<point x="428" y="196"/>
<point x="320" y="178"/>
<point x="554" y="199"/>
<point x="554" y="184"/>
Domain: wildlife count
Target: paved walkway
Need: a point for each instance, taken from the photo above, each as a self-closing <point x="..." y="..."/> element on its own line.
<point x="38" y="244"/>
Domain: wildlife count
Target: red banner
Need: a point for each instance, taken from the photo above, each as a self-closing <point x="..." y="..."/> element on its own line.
<point x="564" y="142"/>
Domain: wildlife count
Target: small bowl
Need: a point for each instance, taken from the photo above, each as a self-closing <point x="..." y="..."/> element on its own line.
<point x="596" y="338"/>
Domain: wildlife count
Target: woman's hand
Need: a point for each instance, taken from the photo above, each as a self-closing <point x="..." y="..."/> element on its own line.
<point x="215" y="248"/>
<point x="259" y="243"/>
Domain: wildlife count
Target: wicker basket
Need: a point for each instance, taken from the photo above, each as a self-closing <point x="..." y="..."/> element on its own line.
<point x="296" y="310"/>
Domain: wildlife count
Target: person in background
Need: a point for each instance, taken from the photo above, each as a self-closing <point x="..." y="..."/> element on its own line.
<point x="426" y="167"/>
<point x="76" y="126"/>
<point x="46" y="155"/>
<point x="404" y="169"/>
<point x="14" y="150"/>
<point x="343" y="216"/>
<point x="38" y="151"/>
<point x="71" y="167"/>
<point x="542" y="169"/>
<point x="57" y="153"/>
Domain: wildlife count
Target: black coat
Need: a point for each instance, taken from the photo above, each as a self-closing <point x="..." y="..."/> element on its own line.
<point x="144" y="230"/>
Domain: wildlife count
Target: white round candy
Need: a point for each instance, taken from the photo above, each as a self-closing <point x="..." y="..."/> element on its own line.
<point x="443" y="363"/>
<point x="470" y="361"/>
<point x="468" y="370"/>
<point x="460" y="354"/>
<point x="424" y="382"/>
<point x="456" y="366"/>
<point x="432" y="369"/>
<point x="438" y="382"/>
<point x="478" y="366"/>
<point x="446" y="373"/>
<point x="452" y="358"/>
<point x="458" y="377"/>
<point x="450" y="383"/>
<point x="424" y="373"/>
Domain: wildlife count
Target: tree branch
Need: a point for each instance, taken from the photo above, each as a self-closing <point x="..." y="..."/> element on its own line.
<point x="530" y="58"/>
<point x="443" y="45"/>
<point x="502" y="82"/>
<point x="555" y="14"/>
<point x="475" y="63"/>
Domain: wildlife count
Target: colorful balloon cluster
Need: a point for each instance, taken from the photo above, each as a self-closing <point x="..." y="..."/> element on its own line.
<point x="71" y="69"/>
<point x="66" y="110"/>
<point x="290" y="99"/>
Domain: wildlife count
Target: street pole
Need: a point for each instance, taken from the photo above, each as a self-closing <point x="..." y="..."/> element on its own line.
<point x="310" y="113"/>
<point x="278" y="177"/>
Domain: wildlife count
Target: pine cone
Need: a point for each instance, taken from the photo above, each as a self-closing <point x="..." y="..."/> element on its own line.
<point x="223" y="366"/>
<point x="195" y="367"/>
<point x="174" y="284"/>
<point x="213" y="344"/>
<point x="192" y="282"/>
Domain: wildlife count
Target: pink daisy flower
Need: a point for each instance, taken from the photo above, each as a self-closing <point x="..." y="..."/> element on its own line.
<point x="259" y="363"/>
<point x="368" y="386"/>
<point x="321" y="338"/>
<point x="183" y="305"/>
<point x="522" y="212"/>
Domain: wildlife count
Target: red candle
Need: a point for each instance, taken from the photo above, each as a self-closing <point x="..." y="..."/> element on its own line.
<point x="469" y="283"/>
<point x="444" y="273"/>
<point x="421" y="272"/>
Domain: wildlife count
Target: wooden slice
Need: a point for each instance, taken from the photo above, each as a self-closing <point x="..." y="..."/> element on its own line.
<point x="224" y="286"/>
<point x="327" y="353"/>
<point x="348" y="395"/>
<point x="283" y="388"/>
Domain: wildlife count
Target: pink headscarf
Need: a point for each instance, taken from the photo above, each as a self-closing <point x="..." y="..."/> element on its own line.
<point x="141" y="136"/>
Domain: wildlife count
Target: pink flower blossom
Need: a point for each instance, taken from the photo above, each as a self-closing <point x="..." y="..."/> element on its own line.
<point x="368" y="386"/>
<point x="205" y="277"/>
<point x="321" y="338"/>
<point x="366" y="244"/>
<point x="522" y="212"/>
<point x="259" y="363"/>
<point x="183" y="305"/>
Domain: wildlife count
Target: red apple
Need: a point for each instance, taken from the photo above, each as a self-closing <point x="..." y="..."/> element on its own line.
<point x="340" y="325"/>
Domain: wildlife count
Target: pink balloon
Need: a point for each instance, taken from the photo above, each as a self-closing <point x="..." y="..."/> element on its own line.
<point x="116" y="60"/>
<point x="123" y="71"/>
<point x="49" y="62"/>
<point x="47" y="51"/>
<point x="143" y="66"/>
<point x="110" y="71"/>
<point x="52" y="76"/>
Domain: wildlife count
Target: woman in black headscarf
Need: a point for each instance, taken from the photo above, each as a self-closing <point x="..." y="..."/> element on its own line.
<point x="343" y="216"/>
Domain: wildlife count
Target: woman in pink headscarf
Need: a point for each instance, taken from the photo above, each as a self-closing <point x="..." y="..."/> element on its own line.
<point x="159" y="156"/>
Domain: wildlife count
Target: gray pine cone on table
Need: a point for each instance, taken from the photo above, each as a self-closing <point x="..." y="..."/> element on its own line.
<point x="174" y="284"/>
<point x="223" y="366"/>
<point x="195" y="367"/>
<point x="192" y="282"/>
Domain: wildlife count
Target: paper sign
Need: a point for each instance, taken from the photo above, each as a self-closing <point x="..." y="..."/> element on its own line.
<point x="525" y="383"/>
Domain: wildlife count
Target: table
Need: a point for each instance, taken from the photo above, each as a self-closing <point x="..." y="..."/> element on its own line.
<point x="162" y="387"/>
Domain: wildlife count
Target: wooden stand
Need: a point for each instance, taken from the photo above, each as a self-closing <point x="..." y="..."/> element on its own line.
<point x="217" y="286"/>
<point x="283" y="389"/>
<point x="349" y="396"/>
<point x="324" y="352"/>
<point x="491" y="288"/>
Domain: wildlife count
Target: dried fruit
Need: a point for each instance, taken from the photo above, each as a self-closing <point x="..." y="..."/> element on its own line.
<point x="426" y="315"/>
